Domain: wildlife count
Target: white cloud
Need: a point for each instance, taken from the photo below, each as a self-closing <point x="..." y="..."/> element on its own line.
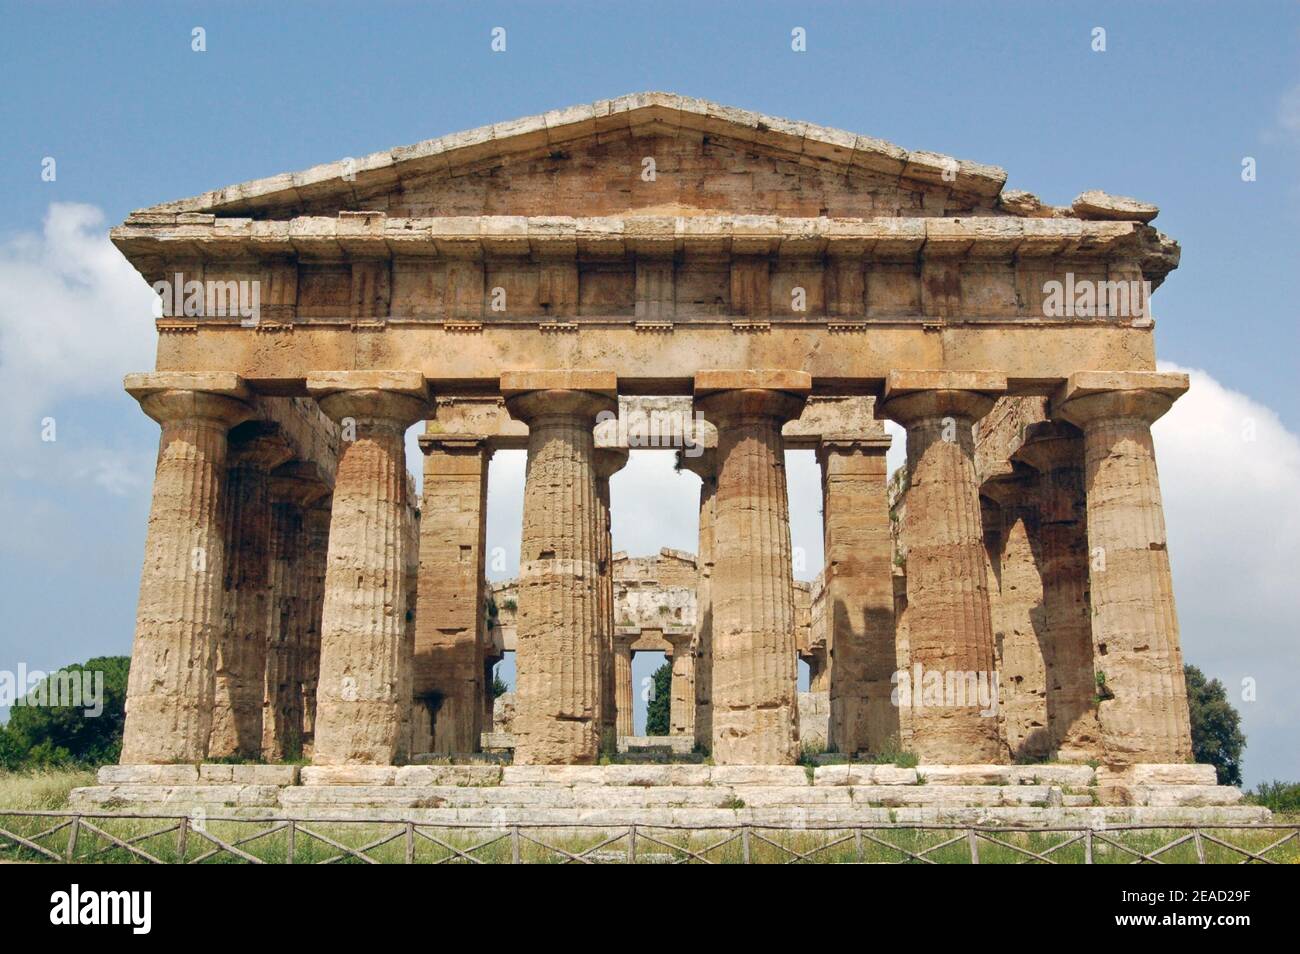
<point x="74" y="317"/>
<point x="1230" y="476"/>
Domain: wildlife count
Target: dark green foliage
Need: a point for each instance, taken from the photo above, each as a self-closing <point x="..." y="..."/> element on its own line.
<point x="38" y="736"/>
<point x="1277" y="796"/>
<point x="656" y="719"/>
<point x="1216" y="727"/>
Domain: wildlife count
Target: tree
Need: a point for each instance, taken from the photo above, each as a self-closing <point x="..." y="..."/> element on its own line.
<point x="1216" y="726"/>
<point x="41" y="734"/>
<point x="656" y="716"/>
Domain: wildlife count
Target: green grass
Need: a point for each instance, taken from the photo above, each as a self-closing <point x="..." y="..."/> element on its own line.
<point x="42" y="789"/>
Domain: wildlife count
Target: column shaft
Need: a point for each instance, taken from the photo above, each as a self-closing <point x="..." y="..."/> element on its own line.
<point x="1143" y="712"/>
<point x="170" y="691"/>
<point x="558" y="655"/>
<point x="448" y="668"/>
<point x="953" y="679"/>
<point x="755" y="708"/>
<point x="316" y="531"/>
<point x="625" y="722"/>
<point x="859" y="595"/>
<point x="365" y="648"/>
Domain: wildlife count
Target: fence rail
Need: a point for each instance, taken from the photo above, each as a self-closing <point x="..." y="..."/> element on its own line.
<point x="87" y="837"/>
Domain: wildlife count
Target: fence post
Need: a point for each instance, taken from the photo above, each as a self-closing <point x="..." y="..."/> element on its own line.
<point x="631" y="845"/>
<point x="857" y="845"/>
<point x="973" y="842"/>
<point x="514" y="844"/>
<point x="410" y="843"/>
<point x="291" y="842"/>
<point x="1200" y="846"/>
<point x="744" y="843"/>
<point x="1087" y="846"/>
<point x="72" y="837"/>
<point x="182" y="838"/>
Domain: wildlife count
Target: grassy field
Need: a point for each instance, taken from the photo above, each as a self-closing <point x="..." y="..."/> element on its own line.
<point x="162" y="839"/>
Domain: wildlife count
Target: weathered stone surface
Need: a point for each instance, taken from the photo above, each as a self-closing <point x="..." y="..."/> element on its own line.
<point x="1143" y="713"/>
<point x="448" y="672"/>
<point x="859" y="593"/>
<point x="949" y="630"/>
<point x="862" y="774"/>
<point x="1102" y="205"/>
<point x="365" y="653"/>
<point x="148" y="775"/>
<point x="754" y="690"/>
<point x="558" y="659"/>
<point x="1182" y="773"/>
<point x="170" y="693"/>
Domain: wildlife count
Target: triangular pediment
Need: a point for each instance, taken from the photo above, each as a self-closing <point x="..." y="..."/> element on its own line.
<point x="657" y="152"/>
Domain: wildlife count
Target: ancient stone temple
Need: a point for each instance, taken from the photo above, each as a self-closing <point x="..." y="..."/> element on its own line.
<point x="654" y="272"/>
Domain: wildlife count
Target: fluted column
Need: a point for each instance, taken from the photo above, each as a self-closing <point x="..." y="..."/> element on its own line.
<point x="859" y="593"/>
<point x="1055" y="450"/>
<point x="170" y="689"/>
<point x="364" y="644"/>
<point x="316" y="532"/>
<point x="293" y="488"/>
<point x="448" y="668"/>
<point x="949" y="631"/>
<point x="681" y="705"/>
<point x="624" y="714"/>
<point x="705" y="466"/>
<point x="1143" y="711"/>
<point x="1021" y="639"/>
<point x="609" y="461"/>
<point x="755" y="713"/>
<point x="558" y="654"/>
<point x="240" y="691"/>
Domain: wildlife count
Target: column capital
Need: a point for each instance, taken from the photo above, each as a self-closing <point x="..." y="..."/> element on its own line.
<point x="846" y="444"/>
<point x="454" y="444"/>
<point x="534" y="395"/>
<point x="167" y="396"/>
<point x="1088" y="397"/>
<point x="401" y="397"/>
<point x="912" y="396"/>
<point x="609" y="461"/>
<point x="1050" y="445"/>
<point x="624" y="638"/>
<point x="1008" y="488"/>
<point x="777" y="394"/>
<point x="299" y="482"/>
<point x="258" y="444"/>
<point x="703" y="465"/>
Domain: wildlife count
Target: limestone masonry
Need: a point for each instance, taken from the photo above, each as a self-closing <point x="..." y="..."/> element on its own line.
<point x="658" y="272"/>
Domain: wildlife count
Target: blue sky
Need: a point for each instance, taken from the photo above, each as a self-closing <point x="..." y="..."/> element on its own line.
<point x="1167" y="113"/>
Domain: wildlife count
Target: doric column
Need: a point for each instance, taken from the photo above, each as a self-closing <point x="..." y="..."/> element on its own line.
<point x="1139" y="665"/>
<point x="558" y="653"/>
<point x="609" y="461"/>
<point x="1055" y="450"/>
<point x="448" y="665"/>
<point x="624" y="714"/>
<point x="1023" y="645"/>
<point x="316" y="532"/>
<point x="859" y="594"/>
<point x="256" y="448"/>
<point x="294" y="488"/>
<point x="755" y="709"/>
<point x="681" y="707"/>
<point x="819" y="670"/>
<point x="169" y="695"/>
<point x="364" y="647"/>
<point x="705" y="466"/>
<point x="949" y="632"/>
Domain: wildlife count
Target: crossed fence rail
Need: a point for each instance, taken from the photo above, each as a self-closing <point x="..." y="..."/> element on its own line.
<point x="87" y="837"/>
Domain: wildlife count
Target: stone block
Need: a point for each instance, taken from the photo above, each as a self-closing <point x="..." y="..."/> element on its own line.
<point x="966" y="774"/>
<point x="349" y="774"/>
<point x="1075" y="776"/>
<point x="1153" y="774"/>
<point x="217" y="773"/>
<point x="863" y="775"/>
<point x="148" y="775"/>
<point x="788" y="775"/>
